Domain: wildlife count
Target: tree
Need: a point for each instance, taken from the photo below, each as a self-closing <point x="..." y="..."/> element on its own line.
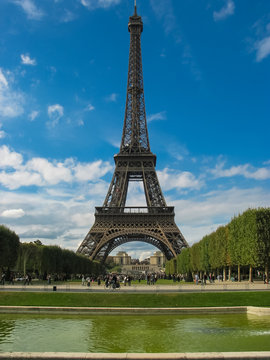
<point x="235" y="247"/>
<point x="195" y="257"/>
<point x="263" y="231"/>
<point x="29" y="259"/>
<point x="52" y="260"/>
<point x="9" y="247"/>
<point x="204" y="254"/>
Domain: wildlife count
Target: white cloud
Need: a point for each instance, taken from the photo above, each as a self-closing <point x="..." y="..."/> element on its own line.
<point x="99" y="188"/>
<point x="262" y="48"/>
<point x="33" y="115"/>
<point x="93" y="171"/>
<point x="26" y="60"/>
<point x="114" y="143"/>
<point x="189" y="59"/>
<point x="2" y="132"/>
<point x="82" y="219"/>
<point x="30" y="9"/>
<point x="68" y="16"/>
<point x="158" y="116"/>
<point x="94" y="4"/>
<point x="176" y="150"/>
<point x="90" y="107"/>
<point x="145" y="255"/>
<point x="112" y="97"/>
<point x="11" y="102"/>
<point x="3" y="80"/>
<point x="53" y="221"/>
<point x="174" y="179"/>
<point x="61" y="212"/>
<point x="51" y="173"/>
<point x="164" y="11"/>
<point x="136" y="194"/>
<point x="55" y="113"/>
<point x="19" y="178"/>
<point x="13" y="213"/>
<point x="227" y="10"/>
<point x="9" y="158"/>
<point x="201" y="215"/>
<point x="245" y="170"/>
<point x="42" y="172"/>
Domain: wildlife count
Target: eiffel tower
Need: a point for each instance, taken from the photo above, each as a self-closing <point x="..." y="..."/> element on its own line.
<point x="116" y="224"/>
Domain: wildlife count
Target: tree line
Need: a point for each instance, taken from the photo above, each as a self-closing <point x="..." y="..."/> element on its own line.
<point x="41" y="260"/>
<point x="244" y="242"/>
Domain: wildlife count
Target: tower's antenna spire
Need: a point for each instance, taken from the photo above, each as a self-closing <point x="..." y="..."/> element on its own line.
<point x="135" y="7"/>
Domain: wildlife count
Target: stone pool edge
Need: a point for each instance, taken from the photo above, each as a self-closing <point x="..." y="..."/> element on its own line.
<point x="126" y="310"/>
<point x="137" y="356"/>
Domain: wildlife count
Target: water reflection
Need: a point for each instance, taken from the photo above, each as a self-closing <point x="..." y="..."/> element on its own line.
<point x="111" y="333"/>
<point x="6" y="328"/>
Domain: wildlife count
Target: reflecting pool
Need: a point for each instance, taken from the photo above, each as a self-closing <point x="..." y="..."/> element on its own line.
<point x="134" y="333"/>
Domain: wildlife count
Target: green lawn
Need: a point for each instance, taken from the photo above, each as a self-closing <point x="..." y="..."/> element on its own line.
<point x="261" y="298"/>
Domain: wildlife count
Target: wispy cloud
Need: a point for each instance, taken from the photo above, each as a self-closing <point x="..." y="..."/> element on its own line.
<point x="2" y="132"/>
<point x="260" y="42"/>
<point x="94" y="4"/>
<point x="26" y="60"/>
<point x="89" y="107"/>
<point x="245" y="170"/>
<point x="188" y="59"/>
<point x="11" y="101"/>
<point x="55" y="113"/>
<point x="176" y="150"/>
<point x="68" y="16"/>
<point x="30" y="8"/>
<point x="262" y="48"/>
<point x="164" y="12"/>
<point x="226" y="11"/>
<point x="112" y="97"/>
<point x="115" y="143"/>
<point x="33" y="115"/>
<point x="3" y="80"/>
<point x="157" y="116"/>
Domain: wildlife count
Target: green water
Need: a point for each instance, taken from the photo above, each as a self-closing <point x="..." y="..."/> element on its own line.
<point x="111" y="333"/>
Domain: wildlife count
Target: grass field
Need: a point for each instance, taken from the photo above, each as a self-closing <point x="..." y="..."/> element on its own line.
<point x="261" y="298"/>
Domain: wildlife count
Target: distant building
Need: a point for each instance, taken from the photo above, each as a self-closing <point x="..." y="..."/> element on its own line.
<point x="141" y="269"/>
<point x="145" y="261"/>
<point x="122" y="258"/>
<point x="158" y="259"/>
<point x="153" y="264"/>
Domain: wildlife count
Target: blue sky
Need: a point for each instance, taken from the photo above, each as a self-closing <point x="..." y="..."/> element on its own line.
<point x="63" y="76"/>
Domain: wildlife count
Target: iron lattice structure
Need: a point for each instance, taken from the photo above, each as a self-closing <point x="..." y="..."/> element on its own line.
<point x="115" y="223"/>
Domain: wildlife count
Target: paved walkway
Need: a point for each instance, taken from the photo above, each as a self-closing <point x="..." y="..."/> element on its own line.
<point x="77" y="287"/>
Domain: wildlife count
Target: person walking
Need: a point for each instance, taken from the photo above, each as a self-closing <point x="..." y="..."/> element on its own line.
<point x="3" y="279"/>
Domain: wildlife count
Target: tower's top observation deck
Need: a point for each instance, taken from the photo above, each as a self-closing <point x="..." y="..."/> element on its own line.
<point x="135" y="22"/>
